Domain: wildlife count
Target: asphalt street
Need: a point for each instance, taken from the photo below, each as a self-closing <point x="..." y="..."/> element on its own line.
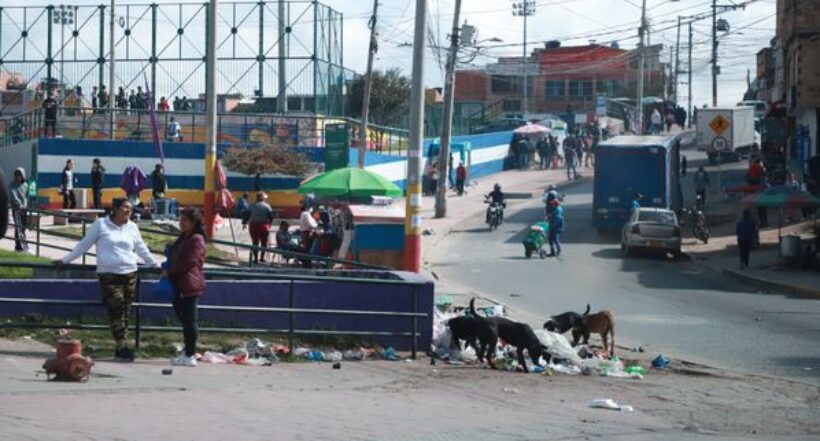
<point x="674" y="307"/>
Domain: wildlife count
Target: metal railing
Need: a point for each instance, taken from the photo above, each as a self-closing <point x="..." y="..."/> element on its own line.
<point x="243" y="129"/>
<point x="305" y="258"/>
<point x="292" y="311"/>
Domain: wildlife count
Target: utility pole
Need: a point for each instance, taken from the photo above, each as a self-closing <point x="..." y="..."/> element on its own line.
<point x="525" y="8"/>
<point x="689" y="79"/>
<point x="282" y="95"/>
<point x="111" y="115"/>
<point x="641" y="62"/>
<point x="447" y="124"/>
<point x="714" y="53"/>
<point x="412" y="217"/>
<point x="210" y="119"/>
<point x="677" y="61"/>
<point x="368" y="83"/>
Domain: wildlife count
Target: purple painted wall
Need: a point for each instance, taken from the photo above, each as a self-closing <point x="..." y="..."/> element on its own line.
<point x="266" y="293"/>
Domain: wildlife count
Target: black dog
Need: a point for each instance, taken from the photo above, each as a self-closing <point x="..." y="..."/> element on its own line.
<point x="562" y="323"/>
<point x="472" y="328"/>
<point x="516" y="334"/>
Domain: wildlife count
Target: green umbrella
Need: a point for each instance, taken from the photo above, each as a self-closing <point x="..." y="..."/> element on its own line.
<point x="350" y="182"/>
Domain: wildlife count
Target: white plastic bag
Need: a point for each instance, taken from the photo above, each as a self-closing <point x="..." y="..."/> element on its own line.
<point x="558" y="346"/>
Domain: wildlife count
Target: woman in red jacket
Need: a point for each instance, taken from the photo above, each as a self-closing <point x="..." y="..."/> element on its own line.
<point x="185" y="271"/>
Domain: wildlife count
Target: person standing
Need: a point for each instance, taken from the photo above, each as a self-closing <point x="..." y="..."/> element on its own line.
<point x="185" y="270"/>
<point x="163" y="105"/>
<point x="173" y="131"/>
<point x="556" y="222"/>
<point x="67" y="186"/>
<point x="683" y="165"/>
<point x="450" y="177"/>
<point x="434" y="179"/>
<point x="119" y="246"/>
<point x="702" y="183"/>
<point x="159" y="185"/>
<point x="543" y="152"/>
<point x="18" y="198"/>
<point x="97" y="182"/>
<point x="132" y="101"/>
<point x="461" y="177"/>
<point x="746" y="232"/>
<point x="50" y="116"/>
<point x="242" y="206"/>
<point x="523" y="153"/>
<point x="259" y="217"/>
<point x="569" y="158"/>
<point x="94" y="96"/>
<point x="636" y="201"/>
<point x="657" y="121"/>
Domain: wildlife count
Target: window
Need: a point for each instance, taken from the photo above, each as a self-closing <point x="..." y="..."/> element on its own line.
<point x="611" y="87"/>
<point x="554" y="88"/>
<point x="506" y="84"/>
<point x="511" y="105"/>
<point x="580" y="88"/>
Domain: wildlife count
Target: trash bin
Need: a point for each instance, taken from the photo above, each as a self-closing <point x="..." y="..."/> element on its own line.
<point x="790" y="248"/>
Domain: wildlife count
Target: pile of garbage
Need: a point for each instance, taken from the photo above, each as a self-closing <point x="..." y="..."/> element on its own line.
<point x="255" y="352"/>
<point x="565" y="359"/>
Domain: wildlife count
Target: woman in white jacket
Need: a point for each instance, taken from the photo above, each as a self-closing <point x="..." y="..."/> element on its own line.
<point x="118" y="245"/>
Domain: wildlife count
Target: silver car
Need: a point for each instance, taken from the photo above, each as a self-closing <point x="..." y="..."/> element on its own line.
<point x="652" y="229"/>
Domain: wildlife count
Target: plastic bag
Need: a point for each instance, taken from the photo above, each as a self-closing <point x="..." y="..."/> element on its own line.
<point x="163" y="289"/>
<point x="558" y="346"/>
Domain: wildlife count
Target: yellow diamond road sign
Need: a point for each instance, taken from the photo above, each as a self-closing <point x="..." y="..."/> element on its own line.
<point x="719" y="124"/>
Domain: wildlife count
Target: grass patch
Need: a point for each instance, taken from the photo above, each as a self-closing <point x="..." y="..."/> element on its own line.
<point x="153" y="344"/>
<point x="156" y="242"/>
<point x="18" y="273"/>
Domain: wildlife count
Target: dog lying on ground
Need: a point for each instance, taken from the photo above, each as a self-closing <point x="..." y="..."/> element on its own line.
<point x="516" y="334"/>
<point x="601" y="323"/>
<point x="473" y="329"/>
<point x="562" y="323"/>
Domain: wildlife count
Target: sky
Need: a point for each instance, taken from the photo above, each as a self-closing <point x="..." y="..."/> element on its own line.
<point x="573" y="22"/>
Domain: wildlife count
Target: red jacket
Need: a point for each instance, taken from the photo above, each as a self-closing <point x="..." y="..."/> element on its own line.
<point x="186" y="266"/>
<point x="461" y="172"/>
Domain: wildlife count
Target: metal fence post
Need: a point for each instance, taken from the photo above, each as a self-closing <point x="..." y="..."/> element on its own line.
<point x="137" y="315"/>
<point x="39" y="216"/>
<point x="415" y="322"/>
<point x="292" y="305"/>
<point x="84" y="236"/>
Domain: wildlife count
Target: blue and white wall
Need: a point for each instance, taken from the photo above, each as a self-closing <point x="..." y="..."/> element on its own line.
<point x="185" y="170"/>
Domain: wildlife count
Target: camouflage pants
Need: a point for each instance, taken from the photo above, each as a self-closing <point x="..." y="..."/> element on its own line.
<point x="117" y="295"/>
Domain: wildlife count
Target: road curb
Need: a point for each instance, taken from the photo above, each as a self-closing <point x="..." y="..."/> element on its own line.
<point x="769" y="284"/>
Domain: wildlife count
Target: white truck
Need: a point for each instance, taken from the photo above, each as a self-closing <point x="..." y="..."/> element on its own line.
<point x="726" y="131"/>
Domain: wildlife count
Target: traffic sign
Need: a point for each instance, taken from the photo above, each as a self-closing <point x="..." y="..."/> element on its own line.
<point x="719" y="143"/>
<point x="719" y="124"/>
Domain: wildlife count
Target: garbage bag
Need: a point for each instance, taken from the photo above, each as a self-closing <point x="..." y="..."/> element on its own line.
<point x="558" y="346"/>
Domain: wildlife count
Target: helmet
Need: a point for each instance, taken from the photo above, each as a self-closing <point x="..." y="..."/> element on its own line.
<point x="551" y="187"/>
<point x="496" y="187"/>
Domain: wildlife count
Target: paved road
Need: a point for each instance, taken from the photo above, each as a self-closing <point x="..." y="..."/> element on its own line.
<point x="674" y="307"/>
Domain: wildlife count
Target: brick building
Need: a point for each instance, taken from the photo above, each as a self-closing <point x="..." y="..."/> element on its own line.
<point x="560" y="78"/>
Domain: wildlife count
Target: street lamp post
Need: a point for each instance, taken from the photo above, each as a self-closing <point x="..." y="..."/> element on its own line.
<point x="524" y="8"/>
<point x="64" y="17"/>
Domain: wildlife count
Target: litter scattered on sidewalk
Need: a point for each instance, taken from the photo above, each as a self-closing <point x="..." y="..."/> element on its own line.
<point x="660" y="362"/>
<point x="608" y="403"/>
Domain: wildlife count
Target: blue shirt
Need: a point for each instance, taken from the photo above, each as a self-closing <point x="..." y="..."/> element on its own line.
<point x="636" y="204"/>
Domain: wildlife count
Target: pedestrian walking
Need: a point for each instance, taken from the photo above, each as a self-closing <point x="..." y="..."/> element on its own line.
<point x="67" y="186"/>
<point x="702" y="183"/>
<point x="747" y="236"/>
<point x="242" y="206"/>
<point x="259" y="217"/>
<point x="97" y="182"/>
<point x="461" y="177"/>
<point x="185" y="271"/>
<point x="18" y="199"/>
<point x="569" y="160"/>
<point x="543" y="152"/>
<point x="119" y="248"/>
<point x="556" y="222"/>
<point x="433" y="179"/>
<point x="523" y="153"/>
<point x="450" y="176"/>
<point x="670" y="119"/>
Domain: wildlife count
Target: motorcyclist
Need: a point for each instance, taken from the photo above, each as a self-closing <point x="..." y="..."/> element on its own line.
<point x="496" y="197"/>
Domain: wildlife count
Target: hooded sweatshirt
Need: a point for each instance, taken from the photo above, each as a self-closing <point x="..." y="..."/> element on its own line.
<point x="18" y="192"/>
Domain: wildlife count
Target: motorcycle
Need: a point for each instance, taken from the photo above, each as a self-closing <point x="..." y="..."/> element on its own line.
<point x="495" y="213"/>
<point x="697" y="218"/>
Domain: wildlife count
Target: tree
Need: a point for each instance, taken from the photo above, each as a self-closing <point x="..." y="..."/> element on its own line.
<point x="257" y="161"/>
<point x="389" y="98"/>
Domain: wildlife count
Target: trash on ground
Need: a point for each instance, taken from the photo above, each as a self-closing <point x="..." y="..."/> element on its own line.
<point x="167" y="371"/>
<point x="660" y="362"/>
<point x="558" y="346"/>
<point x="337" y="365"/>
<point x="390" y="354"/>
<point x="511" y="390"/>
<point x="608" y="403"/>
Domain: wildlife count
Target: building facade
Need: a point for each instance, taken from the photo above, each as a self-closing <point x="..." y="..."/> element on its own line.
<point x="561" y="79"/>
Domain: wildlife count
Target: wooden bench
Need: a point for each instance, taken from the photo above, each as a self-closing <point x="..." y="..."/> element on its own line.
<point x="77" y="213"/>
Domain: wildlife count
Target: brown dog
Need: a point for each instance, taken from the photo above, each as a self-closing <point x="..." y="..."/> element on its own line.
<point x="602" y="323"/>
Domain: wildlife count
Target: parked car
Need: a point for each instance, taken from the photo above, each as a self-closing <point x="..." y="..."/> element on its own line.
<point x="652" y="229"/>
